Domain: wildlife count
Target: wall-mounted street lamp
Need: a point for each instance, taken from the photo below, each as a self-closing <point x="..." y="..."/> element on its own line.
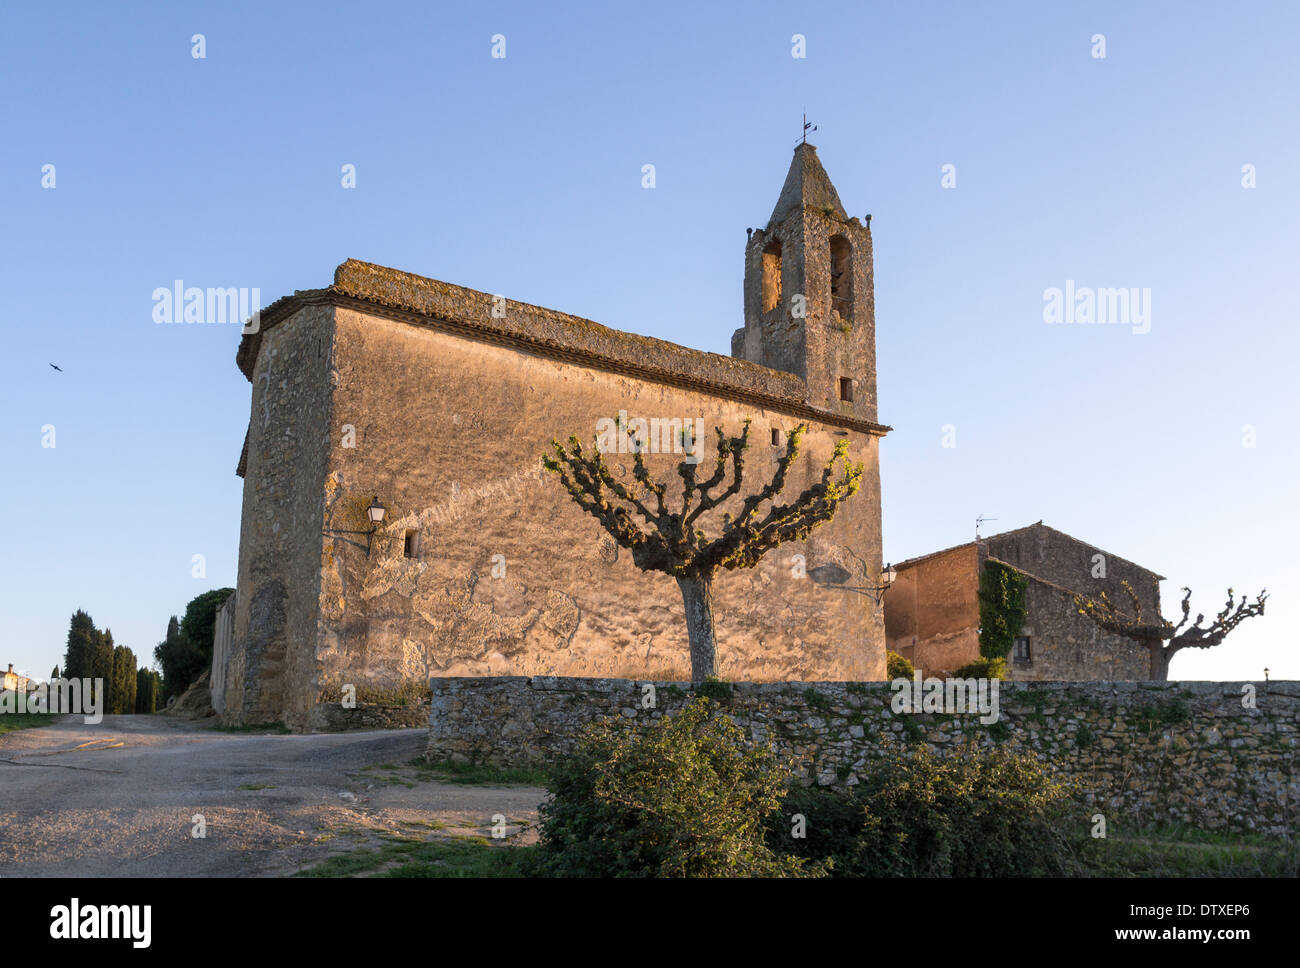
<point x="376" y="515"/>
<point x="886" y="579"/>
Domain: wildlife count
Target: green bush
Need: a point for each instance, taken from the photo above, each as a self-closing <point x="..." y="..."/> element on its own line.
<point x="687" y="797"/>
<point x="983" y="668"/>
<point x="974" y="812"/>
<point x="896" y="667"/>
<point x="719" y="690"/>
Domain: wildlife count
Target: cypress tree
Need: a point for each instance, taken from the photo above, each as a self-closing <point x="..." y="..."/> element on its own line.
<point x="99" y="666"/>
<point x="122" y="695"/>
<point x="146" y="692"/>
<point x="81" y="634"/>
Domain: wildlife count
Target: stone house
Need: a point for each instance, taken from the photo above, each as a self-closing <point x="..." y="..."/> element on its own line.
<point x="932" y="613"/>
<point x="13" y="682"/>
<point x="437" y="402"/>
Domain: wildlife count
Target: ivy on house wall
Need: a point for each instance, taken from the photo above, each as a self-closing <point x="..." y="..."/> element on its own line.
<point x="1003" y="608"/>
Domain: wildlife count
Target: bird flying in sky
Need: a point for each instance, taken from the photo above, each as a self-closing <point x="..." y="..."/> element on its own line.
<point x="59" y="368"/>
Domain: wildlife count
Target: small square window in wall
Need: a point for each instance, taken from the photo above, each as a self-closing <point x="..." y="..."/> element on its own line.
<point x="411" y="546"/>
<point x="1020" y="654"/>
<point x="846" y="389"/>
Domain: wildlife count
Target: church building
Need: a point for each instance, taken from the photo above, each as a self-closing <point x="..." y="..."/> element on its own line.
<point x="397" y="523"/>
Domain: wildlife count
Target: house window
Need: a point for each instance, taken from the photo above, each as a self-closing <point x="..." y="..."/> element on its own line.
<point x="772" y="276"/>
<point x="1020" y="654"/>
<point x="411" y="546"/>
<point x="846" y="389"/>
<point x="776" y="437"/>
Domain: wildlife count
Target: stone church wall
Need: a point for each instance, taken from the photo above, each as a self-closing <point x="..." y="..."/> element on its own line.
<point x="507" y="575"/>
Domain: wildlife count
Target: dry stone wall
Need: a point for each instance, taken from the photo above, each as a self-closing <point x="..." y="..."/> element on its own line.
<point x="1143" y="752"/>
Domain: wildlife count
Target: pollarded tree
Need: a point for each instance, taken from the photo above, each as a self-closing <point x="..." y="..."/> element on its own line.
<point x="1162" y="638"/>
<point x="672" y="541"/>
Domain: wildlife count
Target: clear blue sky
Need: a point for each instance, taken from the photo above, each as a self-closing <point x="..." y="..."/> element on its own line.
<point x="523" y="176"/>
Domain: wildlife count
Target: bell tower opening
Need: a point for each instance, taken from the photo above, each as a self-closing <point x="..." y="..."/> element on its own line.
<point x="842" y="278"/>
<point x="772" y="275"/>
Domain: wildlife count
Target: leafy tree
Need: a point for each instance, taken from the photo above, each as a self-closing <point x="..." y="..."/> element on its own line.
<point x="199" y="623"/>
<point x="685" y="798"/>
<point x="186" y="652"/>
<point x="1162" y="638"/>
<point x="180" y="661"/>
<point x="81" y="635"/>
<point x="671" y="541"/>
<point x="122" y="696"/>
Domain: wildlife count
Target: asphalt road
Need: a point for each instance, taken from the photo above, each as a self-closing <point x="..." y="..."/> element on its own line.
<point x="120" y="799"/>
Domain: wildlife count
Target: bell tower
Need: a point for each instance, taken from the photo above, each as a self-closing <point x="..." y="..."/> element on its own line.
<point x="810" y="293"/>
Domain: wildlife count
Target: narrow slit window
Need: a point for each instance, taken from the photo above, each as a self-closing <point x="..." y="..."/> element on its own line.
<point x="411" y="545"/>
<point x="846" y="389"/>
<point x="776" y="437"/>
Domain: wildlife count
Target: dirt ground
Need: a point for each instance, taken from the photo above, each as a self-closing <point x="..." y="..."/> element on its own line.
<point x="122" y="799"/>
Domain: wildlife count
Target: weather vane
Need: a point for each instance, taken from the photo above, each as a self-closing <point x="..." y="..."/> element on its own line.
<point x="807" y="127"/>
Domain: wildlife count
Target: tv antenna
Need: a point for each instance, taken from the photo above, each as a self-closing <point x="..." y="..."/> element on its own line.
<point x="807" y="126"/>
<point x="979" y="521"/>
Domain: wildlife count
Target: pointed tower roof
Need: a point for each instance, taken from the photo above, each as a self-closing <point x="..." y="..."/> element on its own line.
<point x="807" y="185"/>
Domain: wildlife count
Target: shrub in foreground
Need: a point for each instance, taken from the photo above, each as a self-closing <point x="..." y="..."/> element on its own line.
<point x="686" y="797"/>
<point x="975" y="812"/>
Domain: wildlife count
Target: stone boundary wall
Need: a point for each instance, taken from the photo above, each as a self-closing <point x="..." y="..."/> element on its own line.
<point x="1146" y="752"/>
<point x="332" y="717"/>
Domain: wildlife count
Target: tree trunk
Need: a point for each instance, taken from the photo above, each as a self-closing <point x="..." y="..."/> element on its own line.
<point x="1159" y="659"/>
<point x="697" y="594"/>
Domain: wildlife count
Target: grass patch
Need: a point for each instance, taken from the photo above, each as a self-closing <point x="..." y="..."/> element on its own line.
<point x="256" y="786"/>
<point x="439" y="857"/>
<point x="1189" y="852"/>
<point x="449" y="771"/>
<point x="10" y="722"/>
